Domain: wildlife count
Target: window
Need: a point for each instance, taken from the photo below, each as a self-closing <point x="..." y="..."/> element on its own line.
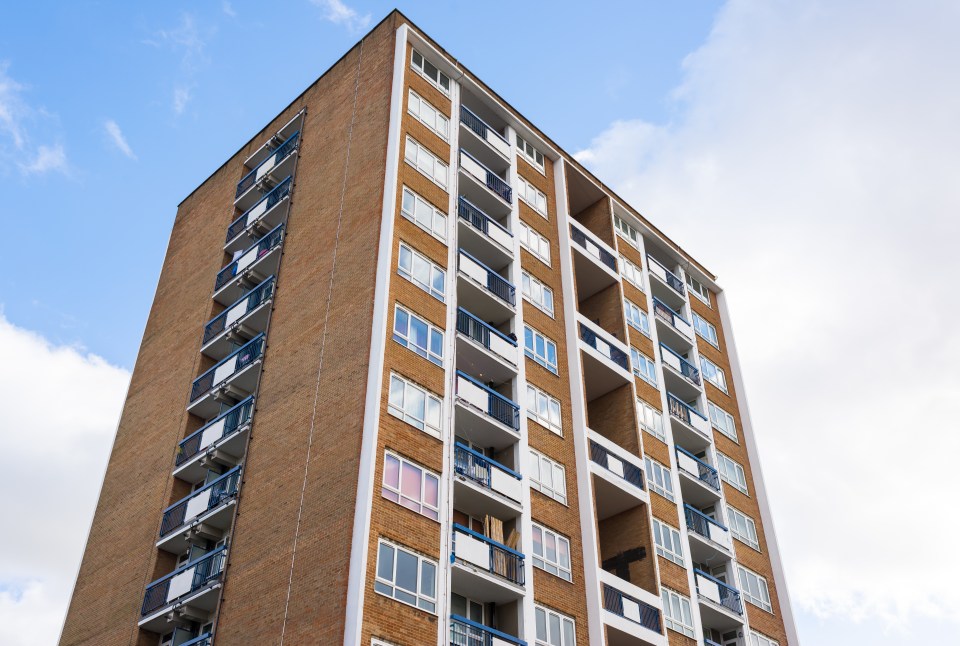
<point x="548" y="477"/>
<point x="705" y="330"/>
<point x="414" y="405"/>
<point x="697" y="289"/>
<point x="743" y="528"/>
<point x="406" y="577"/>
<point x="732" y="472"/>
<point x="754" y="588"/>
<point x="430" y="72"/>
<point x="533" y="155"/>
<point x="668" y="542"/>
<point x="554" y="629"/>
<point x="651" y="420"/>
<point x="544" y="409"/>
<point x="425" y="162"/>
<point x="676" y="612"/>
<point x="631" y="273"/>
<point x="534" y="243"/>
<point x="423" y="214"/>
<point x="722" y="421"/>
<point x="643" y="366"/>
<point x="529" y="194"/>
<point x="712" y="373"/>
<point x="551" y="552"/>
<point x="636" y="317"/>
<point x="412" y="486"/>
<point x="428" y="115"/>
<point x="540" y="349"/>
<point x="420" y="271"/>
<point x="414" y="333"/>
<point x="659" y="479"/>
<point x="756" y="639"/>
<point x="626" y="231"/>
<point x="537" y="293"/>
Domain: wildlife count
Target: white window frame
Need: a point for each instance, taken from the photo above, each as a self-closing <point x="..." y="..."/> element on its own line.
<point x="554" y="567"/>
<point x="534" y="197"/>
<point x="438" y="219"/>
<point x="429" y="603"/>
<point x="522" y="145"/>
<point x="698" y="289"/>
<point x="643" y="366"/>
<point x="759" y="639"/>
<point x="440" y="123"/>
<point x="536" y="244"/>
<point x="754" y="588"/>
<point x="636" y="317"/>
<point x="422" y="71"/>
<point x="404" y="338"/>
<point x="429" y="399"/>
<point x="434" y="271"/>
<point x="538" y="401"/>
<point x="677" y="604"/>
<point x="720" y="419"/>
<point x="659" y="478"/>
<point x="420" y="157"/>
<point x="651" y="420"/>
<point x="534" y="292"/>
<point x="706" y="330"/>
<point x="706" y="364"/>
<point x="539" y="464"/>
<point x="566" y="628"/>
<point x="631" y="273"/>
<point x="667" y="541"/>
<point x="742" y="527"/>
<point x="543" y="360"/>
<point x="626" y="231"/>
<point x="732" y="472"/>
<point x="418" y="506"/>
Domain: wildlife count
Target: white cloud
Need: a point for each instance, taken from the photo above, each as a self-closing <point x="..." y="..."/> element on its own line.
<point x="15" y="141"/>
<point x="46" y="159"/>
<point x="116" y="136"/>
<point x="228" y="9"/>
<point x="812" y="164"/>
<point x="188" y="41"/>
<point x="12" y="108"/>
<point x="59" y="413"/>
<point x="339" y="13"/>
<point x="181" y="97"/>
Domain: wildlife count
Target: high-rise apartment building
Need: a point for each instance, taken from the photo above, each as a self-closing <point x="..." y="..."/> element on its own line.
<point x="413" y="376"/>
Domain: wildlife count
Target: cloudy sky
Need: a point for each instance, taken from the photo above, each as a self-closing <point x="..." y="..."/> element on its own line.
<point x="807" y="152"/>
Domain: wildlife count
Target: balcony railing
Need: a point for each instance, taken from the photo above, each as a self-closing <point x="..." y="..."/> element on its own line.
<point x="491" y="180"/>
<point x="681" y="365"/>
<point x="246" y="304"/>
<point x="697" y="467"/>
<point x="206" y="639"/>
<point x="200" y="501"/>
<point x="184" y="580"/>
<point x="487" y="336"/>
<point x="629" y="472"/>
<point x="664" y="274"/>
<point x="719" y="592"/>
<point x="635" y="610"/>
<point x="264" y="167"/>
<point x="702" y="525"/>
<point x="263" y="205"/>
<point x="250" y="256"/>
<point x="240" y="359"/>
<point x="593" y="249"/>
<point x="688" y="414"/>
<point x="710" y="642"/>
<point x="488" y="400"/>
<point x="484" y="131"/>
<point x="666" y="313"/>
<point x="484" y="223"/>
<point x="464" y="632"/>
<point x="484" y="552"/>
<point x="486" y="472"/>
<point x="494" y="282"/>
<point x="605" y="348"/>
<point x="224" y="425"/>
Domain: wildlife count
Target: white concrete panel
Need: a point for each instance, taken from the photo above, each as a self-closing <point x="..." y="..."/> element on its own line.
<point x="197" y="505"/>
<point x="473" y="394"/>
<point x="225" y="370"/>
<point x="180" y="584"/>
<point x="246" y="260"/>
<point x="473" y="269"/>
<point x="506" y="484"/>
<point x="499" y="144"/>
<point x="500" y="236"/>
<point x="211" y="434"/>
<point x="719" y="535"/>
<point x="688" y="464"/>
<point x="505" y="350"/>
<point x="472" y="551"/>
<point x="700" y="424"/>
<point x="267" y="166"/>
<point x="631" y="609"/>
<point x="256" y="211"/>
<point x="235" y="313"/>
<point x="615" y="465"/>
<point x="474" y="169"/>
<point x="708" y="589"/>
<point x="671" y="360"/>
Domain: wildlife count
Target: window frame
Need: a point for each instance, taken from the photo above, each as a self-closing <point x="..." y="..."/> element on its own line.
<point x="641" y="415"/>
<point x="704" y="363"/>
<point x="425" y="473"/>
<point x="669" y="553"/>
<point x="408" y="342"/>
<point x="695" y="287"/>
<point x="699" y="321"/>
<point x="527" y="231"/>
<point x="562" y="622"/>
<point x="543" y="361"/>
<point x="527" y="281"/>
<point x="755" y="637"/>
<point x="626" y="231"/>
<point x="740" y="481"/>
<point x="554" y="467"/>
<point x="749" y="523"/>
<point x="412" y="216"/>
<point x="411" y="95"/>
<point x="743" y="575"/>
<point x="545" y="564"/>
<point x="637" y="357"/>
<point x="522" y="145"/>
<point x="422" y="150"/>
<point x="654" y="469"/>
<point x="633" y="311"/>
<point x="727" y="418"/>
<point x="635" y="274"/>
<point x="421" y="70"/>
<point x="405" y="417"/>
<point x="410" y="274"/>
<point x="533" y="412"/>
<point x="682" y="625"/>
<point x="523" y="187"/>
<point x="378" y="580"/>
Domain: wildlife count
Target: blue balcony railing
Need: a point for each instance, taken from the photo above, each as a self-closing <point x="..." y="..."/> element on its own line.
<point x="206" y="639"/>
<point x="687" y="369"/>
<point x="682" y="410"/>
<point x="729" y="596"/>
<point x="699" y="523"/>
<point x="207" y="568"/>
<point x="281" y="153"/>
<point x="616" y="355"/>
<point x="667" y="313"/>
<point x="272" y="198"/>
<point x="478" y="330"/>
<point x="670" y="278"/>
<point x="499" y="407"/>
<point x="464" y="632"/>
<point x="231" y="421"/>
<point x="217" y="492"/>
<point x="262" y="247"/>
<point x="478" y="219"/>
<point x="505" y="562"/>
<point x="613" y="600"/>
<point x="493" y="181"/>
<point x="710" y="642"/>
<point x="706" y="473"/>
<point x="496" y="284"/>
<point x="593" y="248"/>
<point x="477" y="466"/>
<point x="631" y="473"/>
<point x="259" y="294"/>
<point x="478" y="125"/>
<point x="242" y="357"/>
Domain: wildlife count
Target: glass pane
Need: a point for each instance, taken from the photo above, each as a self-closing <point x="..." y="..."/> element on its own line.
<point x="564" y="552"/>
<point x="433" y="412"/>
<point x="550" y="551"/>
<point x="458" y="605"/>
<point x="421" y="271"/>
<point x="568" y="631"/>
<point x="400" y="321"/>
<point x="410" y="481"/>
<point x="541" y="624"/>
<point x="396" y="392"/>
<point x="406" y="258"/>
<point x="385" y="562"/>
<point x="415" y="403"/>
<point x="439" y="279"/>
<point x="407" y="565"/>
<point x="555" y="630"/>
<point x="537" y="541"/>
<point x="418" y="332"/>
<point x="431" y="489"/>
<point x="428" y="579"/>
<point x="391" y="471"/>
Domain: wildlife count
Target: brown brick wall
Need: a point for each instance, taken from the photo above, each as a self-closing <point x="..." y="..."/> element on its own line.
<point x="598" y="218"/>
<point x="627" y="530"/>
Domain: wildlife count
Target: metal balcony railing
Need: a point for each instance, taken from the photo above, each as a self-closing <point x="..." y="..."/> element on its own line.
<point x="241" y="358"/>
<point x="486" y="335"/>
<point x="685" y="412"/>
<point x="281" y="153"/>
<point x="503" y="561"/>
<point x="484" y="130"/>
<point x="602" y="456"/>
<point x="699" y="523"/>
<point x="189" y="578"/>
<point x="200" y="501"/>
<point x="681" y="365"/>
<point x="486" y="472"/>
<point x="258" y="250"/>
<point x="498" y="407"/>
<point x="729" y="596"/>
<point x="492" y="181"/>
<point x="668" y="314"/>
<point x="495" y="283"/>
<point x="667" y="276"/>
<point x="635" y="610"/>
<point x="593" y="248"/>
<point x="464" y="632"/>
<point x="206" y="639"/>
<point x="704" y="472"/>
<point x="222" y="426"/>
<point x="614" y="353"/>
<point x="244" y="305"/>
<point x="263" y="205"/>
<point x="484" y="223"/>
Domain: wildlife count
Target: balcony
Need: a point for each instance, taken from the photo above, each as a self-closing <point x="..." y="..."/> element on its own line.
<point x="667" y="285"/>
<point x="250" y="268"/>
<point x="483" y="486"/>
<point x="606" y="363"/>
<point x="485" y="238"/>
<point x="484" y="188"/>
<point x="239" y="322"/>
<point x="491" y="571"/>
<point x="618" y="477"/>
<point x="483" y="291"/>
<point x="486" y="143"/>
<point x="278" y="163"/>
<point x="690" y="426"/>
<point x="699" y="482"/>
<point x="221" y="441"/>
<point x="189" y="593"/>
<point x="464" y="632"/>
<point x="631" y="614"/>
<point x="672" y="328"/>
<point x="233" y="379"/>
<point x="206" y="639"/>
<point x="483" y="350"/>
<point x="708" y="538"/>
<point x="263" y="216"/>
<point x="682" y="375"/>
<point x="594" y="263"/>
<point x="720" y="604"/>
<point x="485" y="416"/>
<point x="206" y="514"/>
